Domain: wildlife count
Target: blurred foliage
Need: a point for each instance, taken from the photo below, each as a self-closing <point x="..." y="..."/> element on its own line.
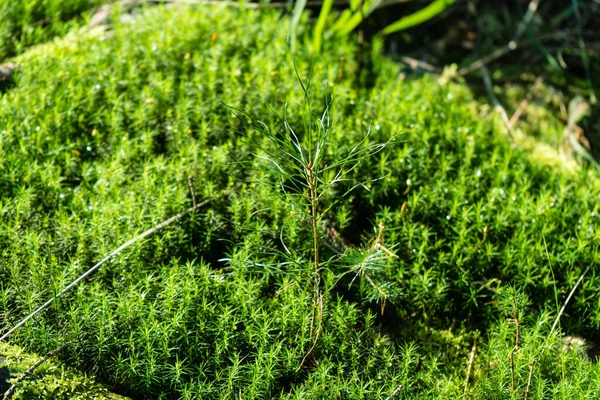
<point x="28" y="22"/>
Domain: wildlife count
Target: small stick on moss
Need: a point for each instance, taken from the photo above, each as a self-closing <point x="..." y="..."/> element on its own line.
<point x="340" y="75"/>
<point x="395" y="392"/>
<point x="99" y="264"/>
<point x="470" y="365"/>
<point x="8" y="394"/>
<point x="528" y="388"/>
<point x="288" y="285"/>
<point x="531" y="9"/>
<point x="525" y="102"/>
<point x="517" y="336"/>
<point x="487" y="80"/>
<point x="418" y="64"/>
<point x="419" y="364"/>
<point x="192" y="189"/>
<point x="568" y="299"/>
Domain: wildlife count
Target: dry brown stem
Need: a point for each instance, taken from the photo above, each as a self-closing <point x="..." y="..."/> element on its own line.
<point x="528" y="388"/>
<point x="525" y="102"/>
<point x="470" y="365"/>
<point x="516" y="347"/>
<point x="395" y="392"/>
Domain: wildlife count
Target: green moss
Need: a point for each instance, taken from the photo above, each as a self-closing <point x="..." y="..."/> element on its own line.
<point x="50" y="380"/>
<point x="25" y="23"/>
<point x="100" y="133"/>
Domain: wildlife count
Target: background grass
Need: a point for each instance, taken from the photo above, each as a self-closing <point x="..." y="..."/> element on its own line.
<point x="100" y="133"/>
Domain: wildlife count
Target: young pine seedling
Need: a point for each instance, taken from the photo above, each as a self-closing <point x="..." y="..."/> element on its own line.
<point x="305" y="172"/>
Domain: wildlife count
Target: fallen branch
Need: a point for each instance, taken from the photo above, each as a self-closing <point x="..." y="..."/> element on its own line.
<point x="248" y="4"/>
<point x="104" y="11"/>
<point x="99" y="264"/>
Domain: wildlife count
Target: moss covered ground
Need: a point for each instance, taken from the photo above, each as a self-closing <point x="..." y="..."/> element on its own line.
<point x="98" y="138"/>
<point x="35" y="377"/>
<point x="26" y="23"/>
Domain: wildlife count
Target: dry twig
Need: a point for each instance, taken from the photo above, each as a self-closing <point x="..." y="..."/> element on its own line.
<point x="516" y="347"/>
<point x="528" y="388"/>
<point x="247" y="4"/>
<point x="525" y="102"/>
<point x="418" y="64"/>
<point x="395" y="392"/>
<point x="103" y="13"/>
<point x="470" y="365"/>
<point x="568" y="299"/>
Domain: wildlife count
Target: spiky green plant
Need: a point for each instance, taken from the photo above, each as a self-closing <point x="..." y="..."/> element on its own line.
<point x="307" y="171"/>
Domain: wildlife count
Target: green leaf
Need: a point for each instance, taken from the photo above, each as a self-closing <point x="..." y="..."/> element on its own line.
<point x="358" y="17"/>
<point x="320" y="25"/>
<point x="296" y="14"/>
<point x="418" y="17"/>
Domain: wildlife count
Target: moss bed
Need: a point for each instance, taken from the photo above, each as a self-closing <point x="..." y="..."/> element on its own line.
<point x="100" y="132"/>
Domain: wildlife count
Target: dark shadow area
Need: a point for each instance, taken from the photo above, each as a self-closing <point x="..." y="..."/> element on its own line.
<point x="6" y="76"/>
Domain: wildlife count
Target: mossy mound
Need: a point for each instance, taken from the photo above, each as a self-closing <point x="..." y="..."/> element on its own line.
<point x="101" y="131"/>
<point x="51" y="380"/>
